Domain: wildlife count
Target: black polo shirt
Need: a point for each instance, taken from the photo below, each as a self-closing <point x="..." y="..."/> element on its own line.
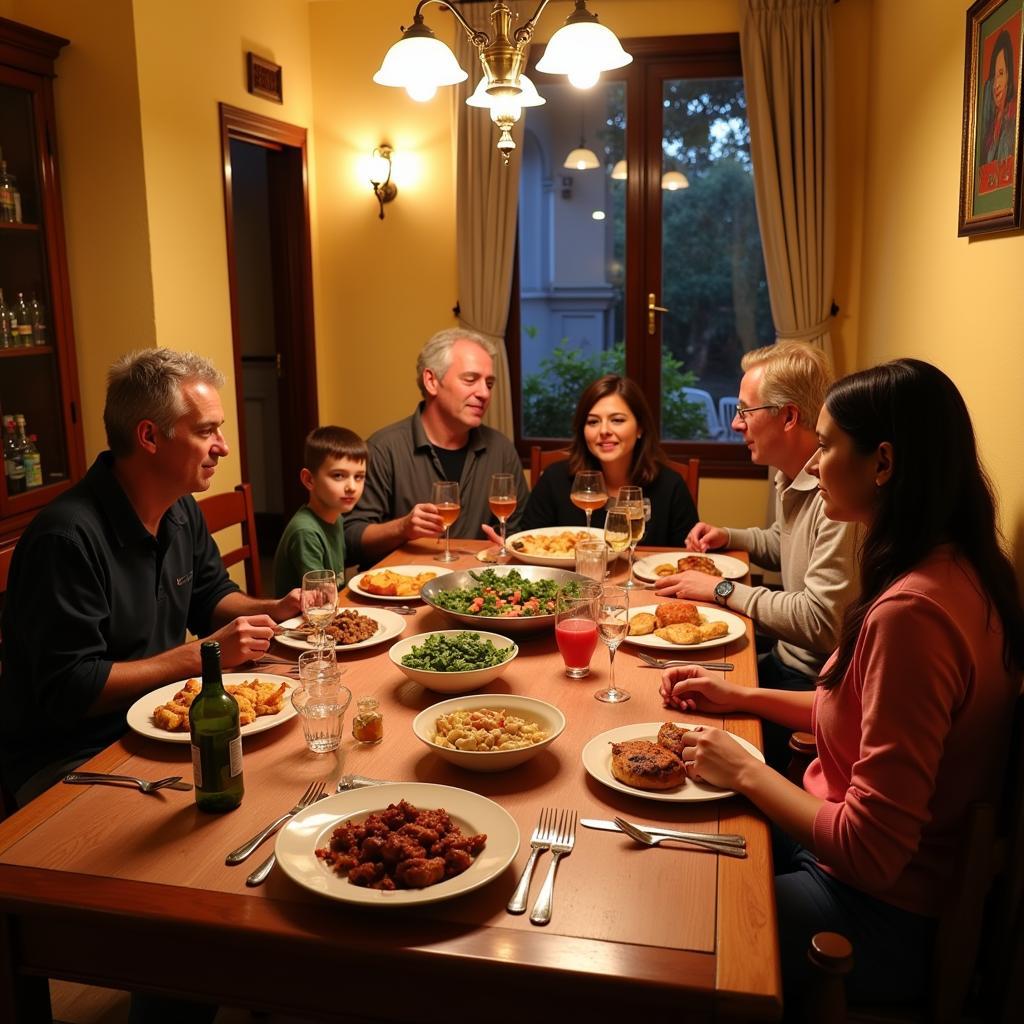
<point x="90" y="586"/>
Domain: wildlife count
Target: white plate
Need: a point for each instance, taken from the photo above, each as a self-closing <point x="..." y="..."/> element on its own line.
<point x="597" y="760"/>
<point x="389" y="625"/>
<point x="730" y="568"/>
<point x="140" y="714"/>
<point x="737" y="630"/>
<point x="311" y="829"/>
<point x="405" y="570"/>
<point x="554" y="561"/>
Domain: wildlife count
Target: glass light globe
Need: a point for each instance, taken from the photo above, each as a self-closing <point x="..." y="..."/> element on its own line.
<point x="673" y="181"/>
<point x="416" y="61"/>
<point x="619" y="171"/>
<point x="581" y="159"/>
<point x="421" y="92"/>
<point x="582" y="45"/>
<point x="584" y="77"/>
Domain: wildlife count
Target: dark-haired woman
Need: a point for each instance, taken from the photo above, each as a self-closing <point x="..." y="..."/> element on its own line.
<point x="911" y="713"/>
<point x="613" y="431"/>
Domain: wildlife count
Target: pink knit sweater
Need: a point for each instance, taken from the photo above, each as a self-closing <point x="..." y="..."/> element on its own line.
<point x="916" y="731"/>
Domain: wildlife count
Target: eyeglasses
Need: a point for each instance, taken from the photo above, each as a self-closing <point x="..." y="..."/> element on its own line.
<point x="743" y="412"/>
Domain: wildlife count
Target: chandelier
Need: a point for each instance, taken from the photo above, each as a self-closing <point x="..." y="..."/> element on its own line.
<point x="581" y="49"/>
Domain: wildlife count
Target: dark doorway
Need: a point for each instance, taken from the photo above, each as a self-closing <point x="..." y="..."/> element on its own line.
<point x="270" y="270"/>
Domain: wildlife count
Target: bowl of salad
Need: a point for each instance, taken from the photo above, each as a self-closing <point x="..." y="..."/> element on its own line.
<point x="504" y="598"/>
<point x="454" y="660"/>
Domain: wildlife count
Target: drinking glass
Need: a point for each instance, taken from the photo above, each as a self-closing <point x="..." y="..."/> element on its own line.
<point x="503" y="502"/>
<point x="576" y="626"/>
<point x="589" y="492"/>
<point x="446" y="499"/>
<point x="613" y="625"/>
<point x="319" y="667"/>
<point x="592" y="558"/>
<point x="632" y="499"/>
<point x="322" y="710"/>
<point x="616" y="529"/>
<point x="319" y="602"/>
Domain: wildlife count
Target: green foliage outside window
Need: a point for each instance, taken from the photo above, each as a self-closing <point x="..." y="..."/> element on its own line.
<point x="551" y="394"/>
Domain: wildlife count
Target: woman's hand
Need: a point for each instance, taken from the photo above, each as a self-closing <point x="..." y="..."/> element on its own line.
<point x="490" y="533"/>
<point x="712" y="755"/>
<point x="686" y="688"/>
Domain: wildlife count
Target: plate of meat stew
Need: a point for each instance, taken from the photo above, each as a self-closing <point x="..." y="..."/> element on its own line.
<point x="352" y="629"/>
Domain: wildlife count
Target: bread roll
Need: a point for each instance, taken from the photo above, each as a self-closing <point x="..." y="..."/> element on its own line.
<point x="669" y="613"/>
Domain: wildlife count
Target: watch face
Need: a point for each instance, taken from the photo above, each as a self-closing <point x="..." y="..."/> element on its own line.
<point x="724" y="589"/>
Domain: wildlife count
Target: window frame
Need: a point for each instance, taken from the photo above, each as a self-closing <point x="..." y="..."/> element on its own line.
<point x="654" y="59"/>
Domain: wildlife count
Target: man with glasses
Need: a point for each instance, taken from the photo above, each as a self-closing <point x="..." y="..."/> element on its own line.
<point x="780" y="396"/>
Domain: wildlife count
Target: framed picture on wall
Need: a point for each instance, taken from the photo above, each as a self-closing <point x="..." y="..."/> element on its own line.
<point x="990" y="163"/>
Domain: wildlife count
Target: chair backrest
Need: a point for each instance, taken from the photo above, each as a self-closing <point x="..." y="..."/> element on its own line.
<point x="540" y="459"/>
<point x="703" y="399"/>
<point x="727" y="406"/>
<point x="690" y="472"/>
<point x="235" y="508"/>
<point x="6" y="554"/>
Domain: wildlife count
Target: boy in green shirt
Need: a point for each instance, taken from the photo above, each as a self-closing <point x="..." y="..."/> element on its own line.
<point x="334" y="473"/>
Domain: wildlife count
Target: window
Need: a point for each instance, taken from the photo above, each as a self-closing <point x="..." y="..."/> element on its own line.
<point x="649" y="263"/>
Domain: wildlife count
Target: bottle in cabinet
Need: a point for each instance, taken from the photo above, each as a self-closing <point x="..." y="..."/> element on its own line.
<point x="14" y="468"/>
<point x="29" y="456"/>
<point x="37" y="319"/>
<point x="23" y="331"/>
<point x="6" y="334"/>
<point x="216" y="739"/>
<point x="10" y="198"/>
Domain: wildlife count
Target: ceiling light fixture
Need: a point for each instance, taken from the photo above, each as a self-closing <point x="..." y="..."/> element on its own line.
<point x="580" y="49"/>
<point x="619" y="172"/>
<point x="673" y="181"/>
<point x="581" y="158"/>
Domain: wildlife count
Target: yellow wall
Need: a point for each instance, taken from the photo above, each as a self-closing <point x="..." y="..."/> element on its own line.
<point x="926" y="292"/>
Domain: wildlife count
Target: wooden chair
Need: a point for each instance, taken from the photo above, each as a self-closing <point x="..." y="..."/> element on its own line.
<point x="235" y="508"/>
<point x="541" y="459"/>
<point x="978" y="959"/>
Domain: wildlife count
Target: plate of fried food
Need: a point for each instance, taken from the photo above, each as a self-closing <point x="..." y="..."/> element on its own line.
<point x="398" y="844"/>
<point x="667" y="563"/>
<point x="395" y="582"/>
<point x="643" y="760"/>
<point x="553" y="546"/>
<point x="351" y="630"/>
<point x="673" y="624"/>
<point x="262" y="704"/>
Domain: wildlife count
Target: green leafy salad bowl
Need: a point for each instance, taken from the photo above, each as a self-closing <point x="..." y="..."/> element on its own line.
<point x="454" y="660"/>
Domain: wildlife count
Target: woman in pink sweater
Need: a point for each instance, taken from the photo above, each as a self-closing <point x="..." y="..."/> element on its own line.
<point x="911" y="714"/>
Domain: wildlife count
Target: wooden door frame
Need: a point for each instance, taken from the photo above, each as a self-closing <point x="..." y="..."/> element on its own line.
<point x="295" y="325"/>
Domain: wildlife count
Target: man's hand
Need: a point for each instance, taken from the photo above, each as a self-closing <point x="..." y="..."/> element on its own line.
<point x="697" y="586"/>
<point x="422" y="521"/>
<point x="705" y="537"/>
<point x="288" y="607"/>
<point x="244" y="639"/>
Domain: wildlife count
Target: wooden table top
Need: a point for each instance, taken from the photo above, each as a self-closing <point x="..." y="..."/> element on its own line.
<point x="97" y="882"/>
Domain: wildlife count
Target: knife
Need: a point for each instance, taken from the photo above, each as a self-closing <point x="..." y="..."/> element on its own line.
<point x="347" y="782"/>
<point x="723" y="839"/>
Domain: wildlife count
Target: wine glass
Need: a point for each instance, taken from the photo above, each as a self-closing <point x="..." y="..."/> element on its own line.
<point x="446" y="499"/>
<point x="633" y="500"/>
<point x="503" y="501"/>
<point x="588" y="492"/>
<point x="319" y="602"/>
<point x="612" y="626"/>
<point x="576" y="626"/>
<point x="616" y="529"/>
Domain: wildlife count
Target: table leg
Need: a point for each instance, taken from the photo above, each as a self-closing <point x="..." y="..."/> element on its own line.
<point x="23" y="998"/>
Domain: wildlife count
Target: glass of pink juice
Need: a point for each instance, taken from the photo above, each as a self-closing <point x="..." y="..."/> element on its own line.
<point x="576" y="634"/>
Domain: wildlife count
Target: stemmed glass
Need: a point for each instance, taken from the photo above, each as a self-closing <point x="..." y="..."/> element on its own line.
<point x="446" y="500"/>
<point x="503" y="502"/>
<point x="632" y="498"/>
<point x="616" y="529"/>
<point x="613" y="625"/>
<point x="319" y="602"/>
<point x="589" y="492"/>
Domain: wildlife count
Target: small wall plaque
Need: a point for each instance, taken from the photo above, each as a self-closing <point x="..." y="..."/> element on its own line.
<point x="264" y="78"/>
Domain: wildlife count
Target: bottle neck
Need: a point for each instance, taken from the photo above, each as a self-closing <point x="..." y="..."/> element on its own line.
<point x="212" y="677"/>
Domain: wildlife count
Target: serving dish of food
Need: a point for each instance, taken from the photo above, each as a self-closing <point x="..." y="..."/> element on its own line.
<point x="352" y="629"/>
<point x="671" y="625"/>
<point x="262" y="699"/>
<point x="667" y="563"/>
<point x="503" y="599"/>
<point x="553" y="546"/>
<point x="394" y="582"/>
<point x="475" y="816"/>
<point x="630" y="747"/>
<point x="453" y="660"/>
<point x="489" y="732"/>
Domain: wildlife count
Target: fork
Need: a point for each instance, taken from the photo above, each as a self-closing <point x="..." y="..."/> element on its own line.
<point x="646" y="839"/>
<point x="541" y="840"/>
<point x="714" y="666"/>
<point x="262" y="873"/>
<point x="99" y="778"/>
<point x="560" y="846"/>
<point x="313" y="792"/>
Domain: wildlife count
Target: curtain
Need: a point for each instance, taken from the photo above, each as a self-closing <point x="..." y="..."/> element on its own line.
<point x="786" y="46"/>
<point x="487" y="195"/>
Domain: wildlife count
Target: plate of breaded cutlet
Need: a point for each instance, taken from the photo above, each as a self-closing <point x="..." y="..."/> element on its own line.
<point x="669" y="625"/>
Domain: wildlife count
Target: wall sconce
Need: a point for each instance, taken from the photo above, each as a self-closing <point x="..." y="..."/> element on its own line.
<point x="380" y="176"/>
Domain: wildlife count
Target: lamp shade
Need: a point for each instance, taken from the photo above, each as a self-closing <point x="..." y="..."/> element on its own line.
<point x="529" y="97"/>
<point x="619" y="172"/>
<point x="673" y="181"/>
<point x="417" y="63"/>
<point x="582" y="160"/>
<point x="582" y="49"/>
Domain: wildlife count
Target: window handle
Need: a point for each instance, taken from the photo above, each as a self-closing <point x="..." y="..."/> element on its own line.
<point x="651" y="310"/>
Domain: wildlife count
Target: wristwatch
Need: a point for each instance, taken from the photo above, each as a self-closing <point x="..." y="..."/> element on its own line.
<point x="723" y="591"/>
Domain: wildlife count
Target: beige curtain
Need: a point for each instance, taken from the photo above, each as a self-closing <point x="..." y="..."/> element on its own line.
<point x="786" y="47"/>
<point x="487" y="194"/>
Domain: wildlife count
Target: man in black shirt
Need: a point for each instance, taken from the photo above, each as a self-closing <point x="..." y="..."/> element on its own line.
<point x="106" y="579"/>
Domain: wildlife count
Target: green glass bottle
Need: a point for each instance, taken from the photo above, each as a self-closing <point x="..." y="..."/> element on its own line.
<point x="216" y="739"/>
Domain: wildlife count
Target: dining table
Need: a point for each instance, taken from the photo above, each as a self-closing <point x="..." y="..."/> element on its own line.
<point x="113" y="887"/>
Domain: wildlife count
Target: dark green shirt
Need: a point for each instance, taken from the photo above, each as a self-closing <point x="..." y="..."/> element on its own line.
<point x="308" y="543"/>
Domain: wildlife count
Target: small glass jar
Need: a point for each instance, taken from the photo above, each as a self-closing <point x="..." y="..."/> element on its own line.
<point x="368" y="723"/>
